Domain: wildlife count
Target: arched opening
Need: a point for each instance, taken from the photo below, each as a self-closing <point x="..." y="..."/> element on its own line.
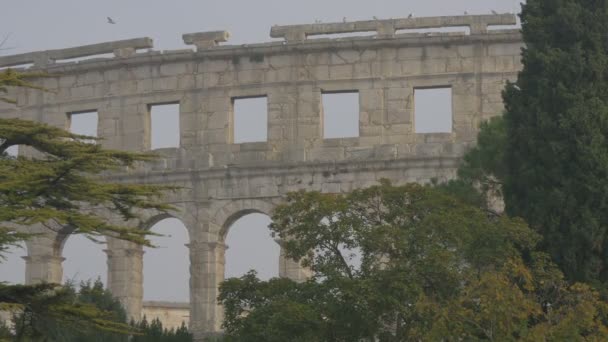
<point x="12" y="264"/>
<point x="84" y="259"/>
<point x="167" y="266"/>
<point x="251" y="247"/>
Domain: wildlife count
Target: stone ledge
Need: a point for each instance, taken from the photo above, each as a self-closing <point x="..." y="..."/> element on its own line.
<point x="291" y="168"/>
<point x="121" y="48"/>
<point x="273" y="48"/>
<point x="164" y="304"/>
<point x="387" y="28"/>
<point x="207" y="43"/>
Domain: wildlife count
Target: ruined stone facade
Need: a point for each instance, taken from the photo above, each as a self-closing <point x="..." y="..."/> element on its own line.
<point x="221" y="181"/>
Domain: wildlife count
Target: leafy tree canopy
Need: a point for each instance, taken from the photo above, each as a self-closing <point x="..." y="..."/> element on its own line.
<point x="556" y="154"/>
<point x="396" y="263"/>
<point x="154" y="332"/>
<point x="65" y="314"/>
<point x="62" y="182"/>
<point x="104" y="320"/>
<point x="482" y="171"/>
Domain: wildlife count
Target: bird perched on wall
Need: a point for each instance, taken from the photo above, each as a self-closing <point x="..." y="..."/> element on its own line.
<point x="344" y="19"/>
<point x="111" y="21"/>
<point x="375" y="18"/>
<point x="410" y="16"/>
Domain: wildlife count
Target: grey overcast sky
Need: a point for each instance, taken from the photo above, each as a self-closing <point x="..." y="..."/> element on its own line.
<point x="33" y="25"/>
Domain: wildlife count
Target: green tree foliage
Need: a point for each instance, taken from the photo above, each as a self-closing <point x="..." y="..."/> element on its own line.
<point x="557" y="129"/>
<point x="65" y="314"/>
<point x="63" y="186"/>
<point x="5" y="332"/>
<point x="482" y="171"/>
<point x="90" y="297"/>
<point x="154" y="332"/>
<point x="409" y="263"/>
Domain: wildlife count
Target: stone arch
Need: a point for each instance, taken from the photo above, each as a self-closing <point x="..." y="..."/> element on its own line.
<point x="230" y="212"/>
<point x="149" y="218"/>
<point x="152" y="221"/>
<point x="61" y="237"/>
<point x="173" y="239"/>
<point x="43" y="262"/>
<point x="249" y="245"/>
<point x="59" y="250"/>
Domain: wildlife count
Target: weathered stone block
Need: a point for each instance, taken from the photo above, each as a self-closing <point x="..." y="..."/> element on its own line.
<point x="172" y="69"/>
<point x="345" y="57"/>
<point x="340" y="71"/>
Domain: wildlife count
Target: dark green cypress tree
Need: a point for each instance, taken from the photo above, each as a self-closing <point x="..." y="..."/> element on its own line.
<point x="143" y="327"/>
<point x="557" y="130"/>
<point x="182" y="334"/>
<point x="155" y="332"/>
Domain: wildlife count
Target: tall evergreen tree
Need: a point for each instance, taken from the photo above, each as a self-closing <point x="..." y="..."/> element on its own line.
<point x="63" y="187"/>
<point x="154" y="332"/>
<point x="557" y="133"/>
<point x="95" y="299"/>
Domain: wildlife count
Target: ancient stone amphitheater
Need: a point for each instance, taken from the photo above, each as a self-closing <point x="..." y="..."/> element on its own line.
<point x="386" y="63"/>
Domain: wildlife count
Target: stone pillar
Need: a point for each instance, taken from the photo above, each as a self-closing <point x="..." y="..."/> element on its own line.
<point x="43" y="268"/>
<point x="207" y="261"/>
<point x="125" y="275"/>
<point x="43" y="260"/>
<point x="292" y="269"/>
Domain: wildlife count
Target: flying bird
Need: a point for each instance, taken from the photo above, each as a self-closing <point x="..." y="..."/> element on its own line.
<point x="344" y="19"/>
<point x="494" y="12"/>
<point x="375" y="18"/>
<point x="111" y="21"/>
<point x="466" y="13"/>
<point x="410" y="16"/>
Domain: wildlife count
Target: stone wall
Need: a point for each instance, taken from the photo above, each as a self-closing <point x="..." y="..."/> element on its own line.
<point x="222" y="181"/>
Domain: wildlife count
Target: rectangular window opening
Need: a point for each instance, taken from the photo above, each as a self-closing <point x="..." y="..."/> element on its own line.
<point x="433" y="110"/>
<point x="340" y="114"/>
<point x="84" y="123"/>
<point x="164" y="125"/>
<point x="250" y="119"/>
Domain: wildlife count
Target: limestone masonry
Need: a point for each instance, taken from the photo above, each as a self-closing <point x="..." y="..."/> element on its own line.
<point x="221" y="181"/>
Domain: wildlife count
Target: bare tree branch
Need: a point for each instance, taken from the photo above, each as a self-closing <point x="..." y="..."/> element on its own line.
<point x="4" y="40"/>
